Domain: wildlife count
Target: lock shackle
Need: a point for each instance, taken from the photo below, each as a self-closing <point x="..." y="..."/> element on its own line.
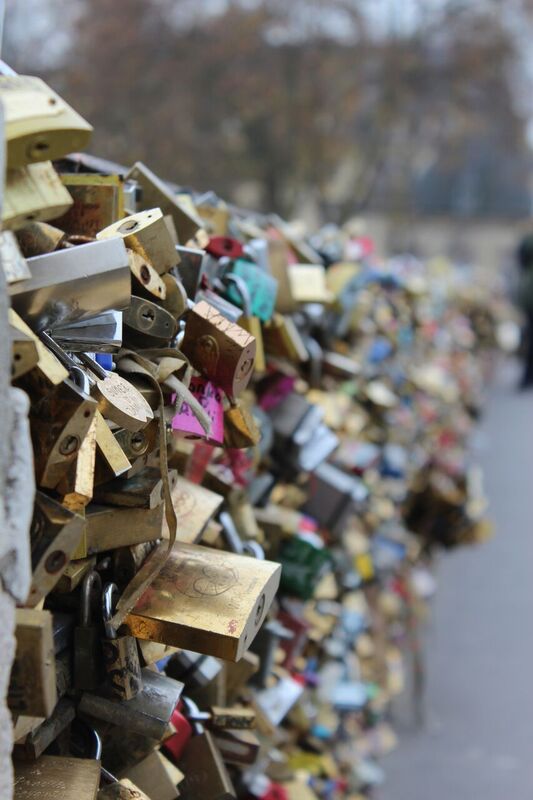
<point x="194" y="715"/>
<point x="108" y="605"/>
<point x="91" y="583"/>
<point x="242" y="289"/>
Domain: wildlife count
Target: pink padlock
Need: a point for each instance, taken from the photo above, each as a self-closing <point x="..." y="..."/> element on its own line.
<point x="210" y="398"/>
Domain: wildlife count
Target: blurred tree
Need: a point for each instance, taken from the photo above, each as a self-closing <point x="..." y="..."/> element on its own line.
<point x="302" y="100"/>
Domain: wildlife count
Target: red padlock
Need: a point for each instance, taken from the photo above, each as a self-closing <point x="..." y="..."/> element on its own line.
<point x="175" y="744"/>
<point x="220" y="246"/>
<point x="275" y="792"/>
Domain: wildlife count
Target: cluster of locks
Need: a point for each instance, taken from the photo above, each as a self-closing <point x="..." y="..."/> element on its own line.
<point x="246" y="445"/>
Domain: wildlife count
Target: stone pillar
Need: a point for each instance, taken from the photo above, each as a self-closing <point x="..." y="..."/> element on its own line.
<point x="16" y="506"/>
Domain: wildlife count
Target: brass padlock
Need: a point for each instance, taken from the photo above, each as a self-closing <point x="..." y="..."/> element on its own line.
<point x="98" y="202"/>
<point x="240" y="428"/>
<point x="147" y="235"/>
<point x="146" y="277"/>
<point x="39" y="124"/>
<point x="48" y="371"/>
<point x="283" y="340"/>
<point x="78" y="484"/>
<point x="155" y="193"/>
<point x="121" y="657"/>
<point x="220" y="349"/>
<point x="33" y="193"/>
<point x="32" y="687"/>
<point x="60" y="422"/>
<point x="111" y="459"/>
<point x="206" y="601"/>
<point x="37" y="238"/>
<point x="55" y="534"/>
<point x="57" y="778"/>
<point x="108" y="527"/>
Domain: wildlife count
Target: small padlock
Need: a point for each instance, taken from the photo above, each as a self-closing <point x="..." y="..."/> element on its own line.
<point x="205" y="773"/>
<point x="240" y="428"/>
<point x="262" y="288"/>
<point x="87" y="636"/>
<point x="121" y="657"/>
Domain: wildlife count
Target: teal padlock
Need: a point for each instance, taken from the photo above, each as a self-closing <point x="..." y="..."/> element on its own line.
<point x="263" y="289"/>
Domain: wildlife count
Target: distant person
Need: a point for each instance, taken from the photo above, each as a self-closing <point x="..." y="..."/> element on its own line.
<point x="524" y="299"/>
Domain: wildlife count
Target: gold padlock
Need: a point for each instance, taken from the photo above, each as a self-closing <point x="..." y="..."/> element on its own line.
<point x="283" y="340"/>
<point x="147" y="235"/>
<point x="39" y="124"/>
<point x="57" y="778"/>
<point x="33" y="193"/>
<point x="206" y="601"/>
<point x="240" y="428"/>
<point x="98" y="202"/>
<point x="220" y="349"/>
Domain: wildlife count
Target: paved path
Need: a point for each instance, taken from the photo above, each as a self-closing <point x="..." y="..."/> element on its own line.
<point x="478" y="737"/>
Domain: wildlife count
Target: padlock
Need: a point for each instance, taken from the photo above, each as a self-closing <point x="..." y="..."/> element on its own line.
<point x="249" y="321"/>
<point x="74" y="284"/>
<point x="175" y="744"/>
<point x="60" y="422"/>
<point x="32" y="688"/>
<point x="88" y="673"/>
<point x="55" y="534"/>
<point x="190" y="268"/>
<point x="77" y="485"/>
<point x="39" y="125"/>
<point x="195" y="506"/>
<point x="155" y="193"/>
<point x="146" y="234"/>
<point x="122" y="789"/>
<point x="57" y="778"/>
<point x="108" y="527"/>
<point x="205" y="773"/>
<point x="38" y="238"/>
<point x="240" y="428"/>
<point x="121" y="657"/>
<point x="13" y="262"/>
<point x="238" y="747"/>
<point x="262" y="288"/>
<point x="99" y="334"/>
<point x="38" y="740"/>
<point x="148" y="713"/>
<point x="118" y="400"/>
<point x="195" y="670"/>
<point x="146" y="278"/>
<point x="148" y="324"/>
<point x="143" y="490"/>
<point x="157" y="775"/>
<point x="111" y="458"/>
<point x="220" y="349"/>
<point x="224" y="246"/>
<point x="98" y="201"/>
<point x="282" y="339"/>
<point x="34" y="192"/>
<point x="175" y="301"/>
<point x="189" y="603"/>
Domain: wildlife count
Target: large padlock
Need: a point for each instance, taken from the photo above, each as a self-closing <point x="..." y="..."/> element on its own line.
<point x="39" y="124"/>
<point x="88" y="672"/>
<point x="121" y="656"/>
<point x="148" y="713"/>
<point x="205" y="773"/>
